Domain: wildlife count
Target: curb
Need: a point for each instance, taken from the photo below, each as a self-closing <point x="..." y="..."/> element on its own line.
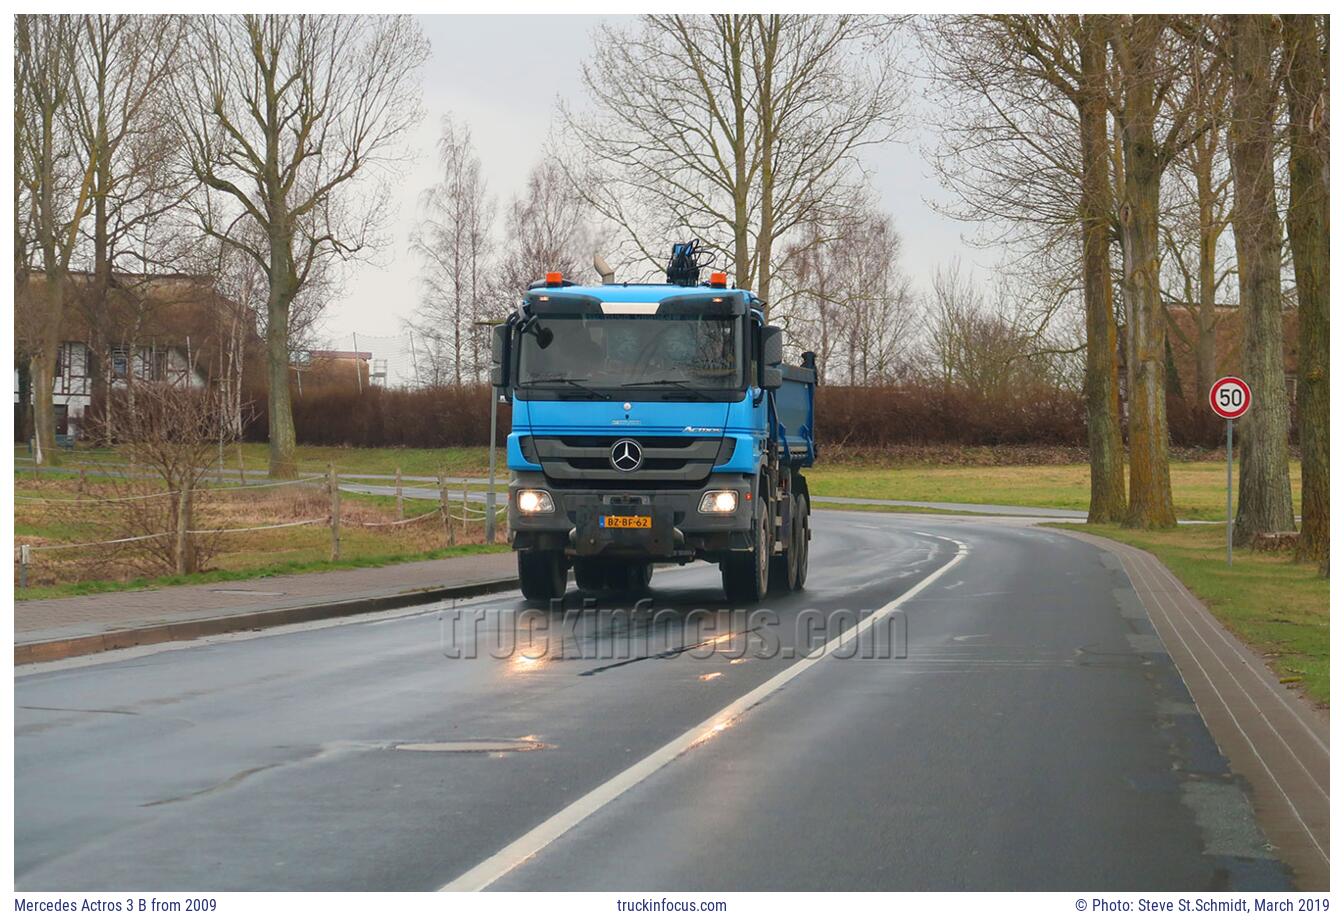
<point x="56" y="649"/>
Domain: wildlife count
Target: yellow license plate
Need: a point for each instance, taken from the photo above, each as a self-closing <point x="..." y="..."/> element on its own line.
<point x="629" y="521"/>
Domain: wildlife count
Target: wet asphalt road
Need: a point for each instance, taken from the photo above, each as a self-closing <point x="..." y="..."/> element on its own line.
<point x="1017" y="725"/>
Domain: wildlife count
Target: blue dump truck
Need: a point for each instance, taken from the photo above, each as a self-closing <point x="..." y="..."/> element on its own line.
<point x="654" y="423"/>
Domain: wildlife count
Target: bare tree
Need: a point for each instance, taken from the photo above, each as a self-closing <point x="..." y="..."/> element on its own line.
<point x="1024" y="145"/>
<point x="1154" y="121"/>
<point x="171" y="431"/>
<point x="547" y="229"/>
<point x="741" y="128"/>
<point x="124" y="64"/>
<point x="454" y="243"/>
<point x="281" y="117"/>
<point x="1198" y="211"/>
<point x="53" y="186"/>
<point x="992" y="342"/>
<point x="1265" y="501"/>
<point x="1306" y="48"/>
<point x="846" y="296"/>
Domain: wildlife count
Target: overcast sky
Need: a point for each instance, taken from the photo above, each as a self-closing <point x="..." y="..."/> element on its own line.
<point x="502" y="75"/>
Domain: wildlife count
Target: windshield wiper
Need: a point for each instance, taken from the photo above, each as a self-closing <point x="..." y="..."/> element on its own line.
<point x="576" y="384"/>
<point x="683" y="384"/>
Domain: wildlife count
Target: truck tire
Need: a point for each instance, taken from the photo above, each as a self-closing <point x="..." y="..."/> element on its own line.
<point x="541" y="575"/>
<point x="802" y="537"/>
<point x="746" y="576"/>
<point x="784" y="567"/>
<point x="629" y="579"/>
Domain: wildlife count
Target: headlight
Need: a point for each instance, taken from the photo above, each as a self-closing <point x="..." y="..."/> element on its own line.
<point x="724" y="502"/>
<point x="534" y="501"/>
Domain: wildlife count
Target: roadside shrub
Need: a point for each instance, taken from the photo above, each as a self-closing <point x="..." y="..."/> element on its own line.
<point x="924" y="422"/>
<point x="379" y="417"/>
<point x="921" y="413"/>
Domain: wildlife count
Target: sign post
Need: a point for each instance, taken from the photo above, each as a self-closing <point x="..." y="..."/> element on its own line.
<point x="1229" y="398"/>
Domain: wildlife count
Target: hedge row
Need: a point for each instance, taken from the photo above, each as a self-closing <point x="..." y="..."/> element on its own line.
<point x="858" y="418"/>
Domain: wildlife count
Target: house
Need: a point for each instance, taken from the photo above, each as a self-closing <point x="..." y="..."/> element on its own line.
<point x="175" y="328"/>
<point x="1183" y="335"/>
<point x="1183" y="338"/>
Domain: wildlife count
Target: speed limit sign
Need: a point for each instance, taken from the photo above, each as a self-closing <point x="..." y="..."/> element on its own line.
<point x="1230" y="397"/>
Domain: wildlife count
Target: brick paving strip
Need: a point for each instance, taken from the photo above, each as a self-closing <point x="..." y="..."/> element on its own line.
<point x="1279" y="742"/>
<point x="47" y="630"/>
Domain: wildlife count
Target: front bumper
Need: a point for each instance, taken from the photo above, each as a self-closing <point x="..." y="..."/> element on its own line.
<point x="679" y="531"/>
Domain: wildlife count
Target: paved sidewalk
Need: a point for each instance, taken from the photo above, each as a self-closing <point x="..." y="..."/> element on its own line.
<point x="57" y="628"/>
<point x="1269" y="734"/>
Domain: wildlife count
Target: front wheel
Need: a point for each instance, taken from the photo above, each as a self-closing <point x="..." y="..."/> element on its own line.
<point x="746" y="576"/>
<point x="541" y="575"/>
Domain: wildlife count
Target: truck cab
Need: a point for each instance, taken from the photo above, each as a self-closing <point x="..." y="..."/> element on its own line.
<point x="653" y="423"/>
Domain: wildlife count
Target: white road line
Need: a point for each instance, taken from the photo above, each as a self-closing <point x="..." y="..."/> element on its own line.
<point x="525" y="847"/>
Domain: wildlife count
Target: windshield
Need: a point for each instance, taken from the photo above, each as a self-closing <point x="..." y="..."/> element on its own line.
<point x="590" y="354"/>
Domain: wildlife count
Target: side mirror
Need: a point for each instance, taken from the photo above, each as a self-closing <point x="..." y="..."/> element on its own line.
<point x="772" y="355"/>
<point x="772" y="345"/>
<point x="499" y="354"/>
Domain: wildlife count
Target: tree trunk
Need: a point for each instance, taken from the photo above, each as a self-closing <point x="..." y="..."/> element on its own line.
<point x="741" y="191"/>
<point x="1150" y="502"/>
<point x="278" y="404"/>
<point x="1265" y="501"/>
<point x="766" y="103"/>
<point x="43" y="366"/>
<point x="1105" y="449"/>
<point x="1309" y="237"/>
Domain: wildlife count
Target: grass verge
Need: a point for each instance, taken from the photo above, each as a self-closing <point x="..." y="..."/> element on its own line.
<point x="1278" y="607"/>
<point x="1198" y="488"/>
<point x="74" y="589"/>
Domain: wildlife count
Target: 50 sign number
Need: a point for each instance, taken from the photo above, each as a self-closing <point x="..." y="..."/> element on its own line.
<point x="1230" y="397"/>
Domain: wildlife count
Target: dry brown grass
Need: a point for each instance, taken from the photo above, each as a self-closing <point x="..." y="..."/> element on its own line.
<point x="71" y="516"/>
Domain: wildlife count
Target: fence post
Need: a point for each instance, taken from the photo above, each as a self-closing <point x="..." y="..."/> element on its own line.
<point x="81" y="482"/>
<point x="444" y="511"/>
<point x="400" y="513"/>
<point x="25" y="557"/>
<point x="183" y="525"/>
<point x="242" y="470"/>
<point x="333" y="484"/>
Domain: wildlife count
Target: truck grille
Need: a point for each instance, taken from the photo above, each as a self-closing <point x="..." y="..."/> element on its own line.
<point x="587" y="458"/>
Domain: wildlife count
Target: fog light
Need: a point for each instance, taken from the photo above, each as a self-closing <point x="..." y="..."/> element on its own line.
<point x="724" y="502"/>
<point x="534" y="501"/>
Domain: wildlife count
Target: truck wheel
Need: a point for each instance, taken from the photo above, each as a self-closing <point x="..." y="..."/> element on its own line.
<point x="541" y="575"/>
<point x="591" y="575"/>
<point x="802" y="537"/>
<point x="746" y="576"/>
<point x="784" y="567"/>
<point x="629" y="579"/>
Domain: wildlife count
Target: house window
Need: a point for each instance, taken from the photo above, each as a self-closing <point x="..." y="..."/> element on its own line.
<point x="62" y="419"/>
<point x="119" y="362"/>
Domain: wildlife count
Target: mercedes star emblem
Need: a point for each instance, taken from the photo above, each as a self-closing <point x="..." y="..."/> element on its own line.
<point x="626" y="455"/>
